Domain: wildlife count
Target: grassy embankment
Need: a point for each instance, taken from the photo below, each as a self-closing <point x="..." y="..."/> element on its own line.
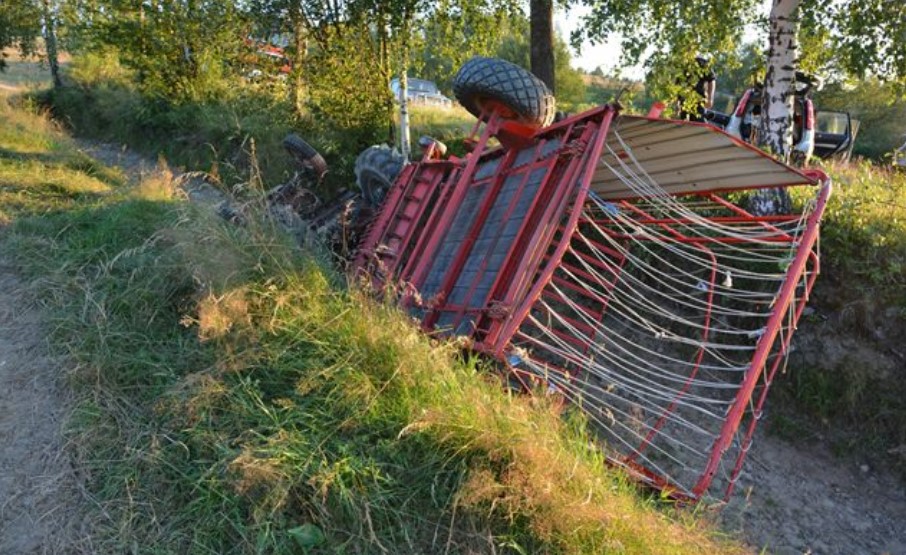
<point x="234" y="396"/>
<point x="864" y="245"/>
<point x="850" y="371"/>
<point x="219" y="136"/>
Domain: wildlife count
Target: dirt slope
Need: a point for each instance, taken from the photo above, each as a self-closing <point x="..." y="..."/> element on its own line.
<point x="805" y="500"/>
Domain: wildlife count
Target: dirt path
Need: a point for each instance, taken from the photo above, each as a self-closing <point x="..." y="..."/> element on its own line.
<point x="805" y="500"/>
<point x="40" y="503"/>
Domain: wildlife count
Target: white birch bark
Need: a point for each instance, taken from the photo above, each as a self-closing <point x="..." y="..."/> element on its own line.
<point x="776" y="131"/>
<point x="776" y="128"/>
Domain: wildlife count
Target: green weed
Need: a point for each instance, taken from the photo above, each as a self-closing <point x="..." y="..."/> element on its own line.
<point x="237" y="397"/>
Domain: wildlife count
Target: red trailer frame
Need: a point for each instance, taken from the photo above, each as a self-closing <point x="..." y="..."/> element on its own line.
<point x="564" y="254"/>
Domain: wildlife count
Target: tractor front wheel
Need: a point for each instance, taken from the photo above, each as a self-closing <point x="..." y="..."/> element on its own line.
<point x="305" y="155"/>
<point x="485" y="85"/>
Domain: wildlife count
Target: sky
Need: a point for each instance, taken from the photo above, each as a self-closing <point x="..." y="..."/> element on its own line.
<point x="607" y="54"/>
<point x="591" y="56"/>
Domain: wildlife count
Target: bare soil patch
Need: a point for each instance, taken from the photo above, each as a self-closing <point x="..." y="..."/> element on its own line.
<point x="799" y="498"/>
<point x="41" y="508"/>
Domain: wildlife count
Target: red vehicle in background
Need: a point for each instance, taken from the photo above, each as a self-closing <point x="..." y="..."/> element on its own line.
<point x="268" y="58"/>
<point x="820" y="134"/>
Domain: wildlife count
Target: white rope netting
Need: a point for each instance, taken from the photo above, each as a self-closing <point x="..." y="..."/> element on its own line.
<point x="650" y="321"/>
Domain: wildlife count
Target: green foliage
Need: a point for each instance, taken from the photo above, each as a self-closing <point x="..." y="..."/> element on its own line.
<point x="851" y="376"/>
<point x="870" y="37"/>
<point x="569" y="83"/>
<point x="864" y="237"/>
<point x="214" y="136"/>
<point x="346" y="92"/>
<point x="234" y="397"/>
<point x="178" y="51"/>
<point x="632" y="95"/>
<point x="667" y="36"/>
<point x="448" y="38"/>
<point x="20" y="25"/>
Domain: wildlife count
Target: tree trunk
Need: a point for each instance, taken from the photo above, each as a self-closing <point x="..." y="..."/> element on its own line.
<point x="50" y="42"/>
<point x="405" y="144"/>
<point x="542" y="38"/>
<point x="301" y="49"/>
<point x="775" y="131"/>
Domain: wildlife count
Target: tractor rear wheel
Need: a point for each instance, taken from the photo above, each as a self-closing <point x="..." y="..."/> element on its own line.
<point x="375" y="169"/>
<point x="483" y="85"/>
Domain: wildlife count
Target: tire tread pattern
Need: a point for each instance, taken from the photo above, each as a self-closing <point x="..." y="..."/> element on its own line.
<point x="493" y="78"/>
<point x="375" y="169"/>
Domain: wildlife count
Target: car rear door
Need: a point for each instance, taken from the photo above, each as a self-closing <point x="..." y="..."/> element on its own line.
<point x="833" y="133"/>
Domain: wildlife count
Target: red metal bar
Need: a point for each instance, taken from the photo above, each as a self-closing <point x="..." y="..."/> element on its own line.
<point x="430" y="229"/>
<point x="379" y="226"/>
<point x="715" y="219"/>
<point x="703" y="240"/>
<point x="465" y="249"/>
<point x="416" y="202"/>
<point x="784" y="349"/>
<point x="515" y="319"/>
<point x="761" y="219"/>
<point x="765" y="342"/>
<point x="527" y="171"/>
<point x="532" y="236"/>
<point x="445" y="218"/>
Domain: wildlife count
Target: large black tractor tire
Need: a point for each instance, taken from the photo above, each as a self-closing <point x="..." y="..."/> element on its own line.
<point x="375" y="169"/>
<point x="304" y="155"/>
<point x="484" y="84"/>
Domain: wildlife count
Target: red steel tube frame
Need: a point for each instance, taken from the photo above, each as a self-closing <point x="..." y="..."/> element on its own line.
<point x="766" y="341"/>
<point x="516" y="318"/>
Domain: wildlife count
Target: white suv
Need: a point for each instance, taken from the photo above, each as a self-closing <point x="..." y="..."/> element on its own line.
<point x="899" y="157"/>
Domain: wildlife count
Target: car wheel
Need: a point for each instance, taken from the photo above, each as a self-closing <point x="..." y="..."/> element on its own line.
<point x="490" y="84"/>
<point x="375" y="169"/>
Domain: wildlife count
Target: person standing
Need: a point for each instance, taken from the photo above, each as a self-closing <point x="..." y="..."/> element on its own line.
<point x="704" y="88"/>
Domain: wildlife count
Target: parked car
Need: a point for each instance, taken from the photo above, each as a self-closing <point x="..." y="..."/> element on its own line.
<point x="421" y="92"/>
<point x="267" y="59"/>
<point x="899" y="157"/>
<point x="821" y="134"/>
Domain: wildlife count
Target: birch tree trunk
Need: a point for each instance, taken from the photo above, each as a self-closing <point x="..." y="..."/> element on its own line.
<point x="776" y="129"/>
<point x="405" y="148"/>
<point x="300" y="44"/>
<point x="50" y="42"/>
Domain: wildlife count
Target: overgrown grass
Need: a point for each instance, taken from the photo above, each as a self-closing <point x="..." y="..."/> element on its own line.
<point x="218" y="136"/>
<point x="40" y="170"/>
<point x="24" y="73"/>
<point x="849" y="371"/>
<point x="865" y="233"/>
<point x="449" y="126"/>
<point x="237" y="397"/>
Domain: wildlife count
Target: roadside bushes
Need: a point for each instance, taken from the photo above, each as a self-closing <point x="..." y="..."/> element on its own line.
<point x="222" y="135"/>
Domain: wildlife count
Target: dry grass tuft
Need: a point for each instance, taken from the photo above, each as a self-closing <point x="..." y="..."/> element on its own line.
<point x="218" y="314"/>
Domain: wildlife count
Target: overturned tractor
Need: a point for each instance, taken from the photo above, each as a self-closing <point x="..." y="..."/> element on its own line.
<point x="605" y="258"/>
